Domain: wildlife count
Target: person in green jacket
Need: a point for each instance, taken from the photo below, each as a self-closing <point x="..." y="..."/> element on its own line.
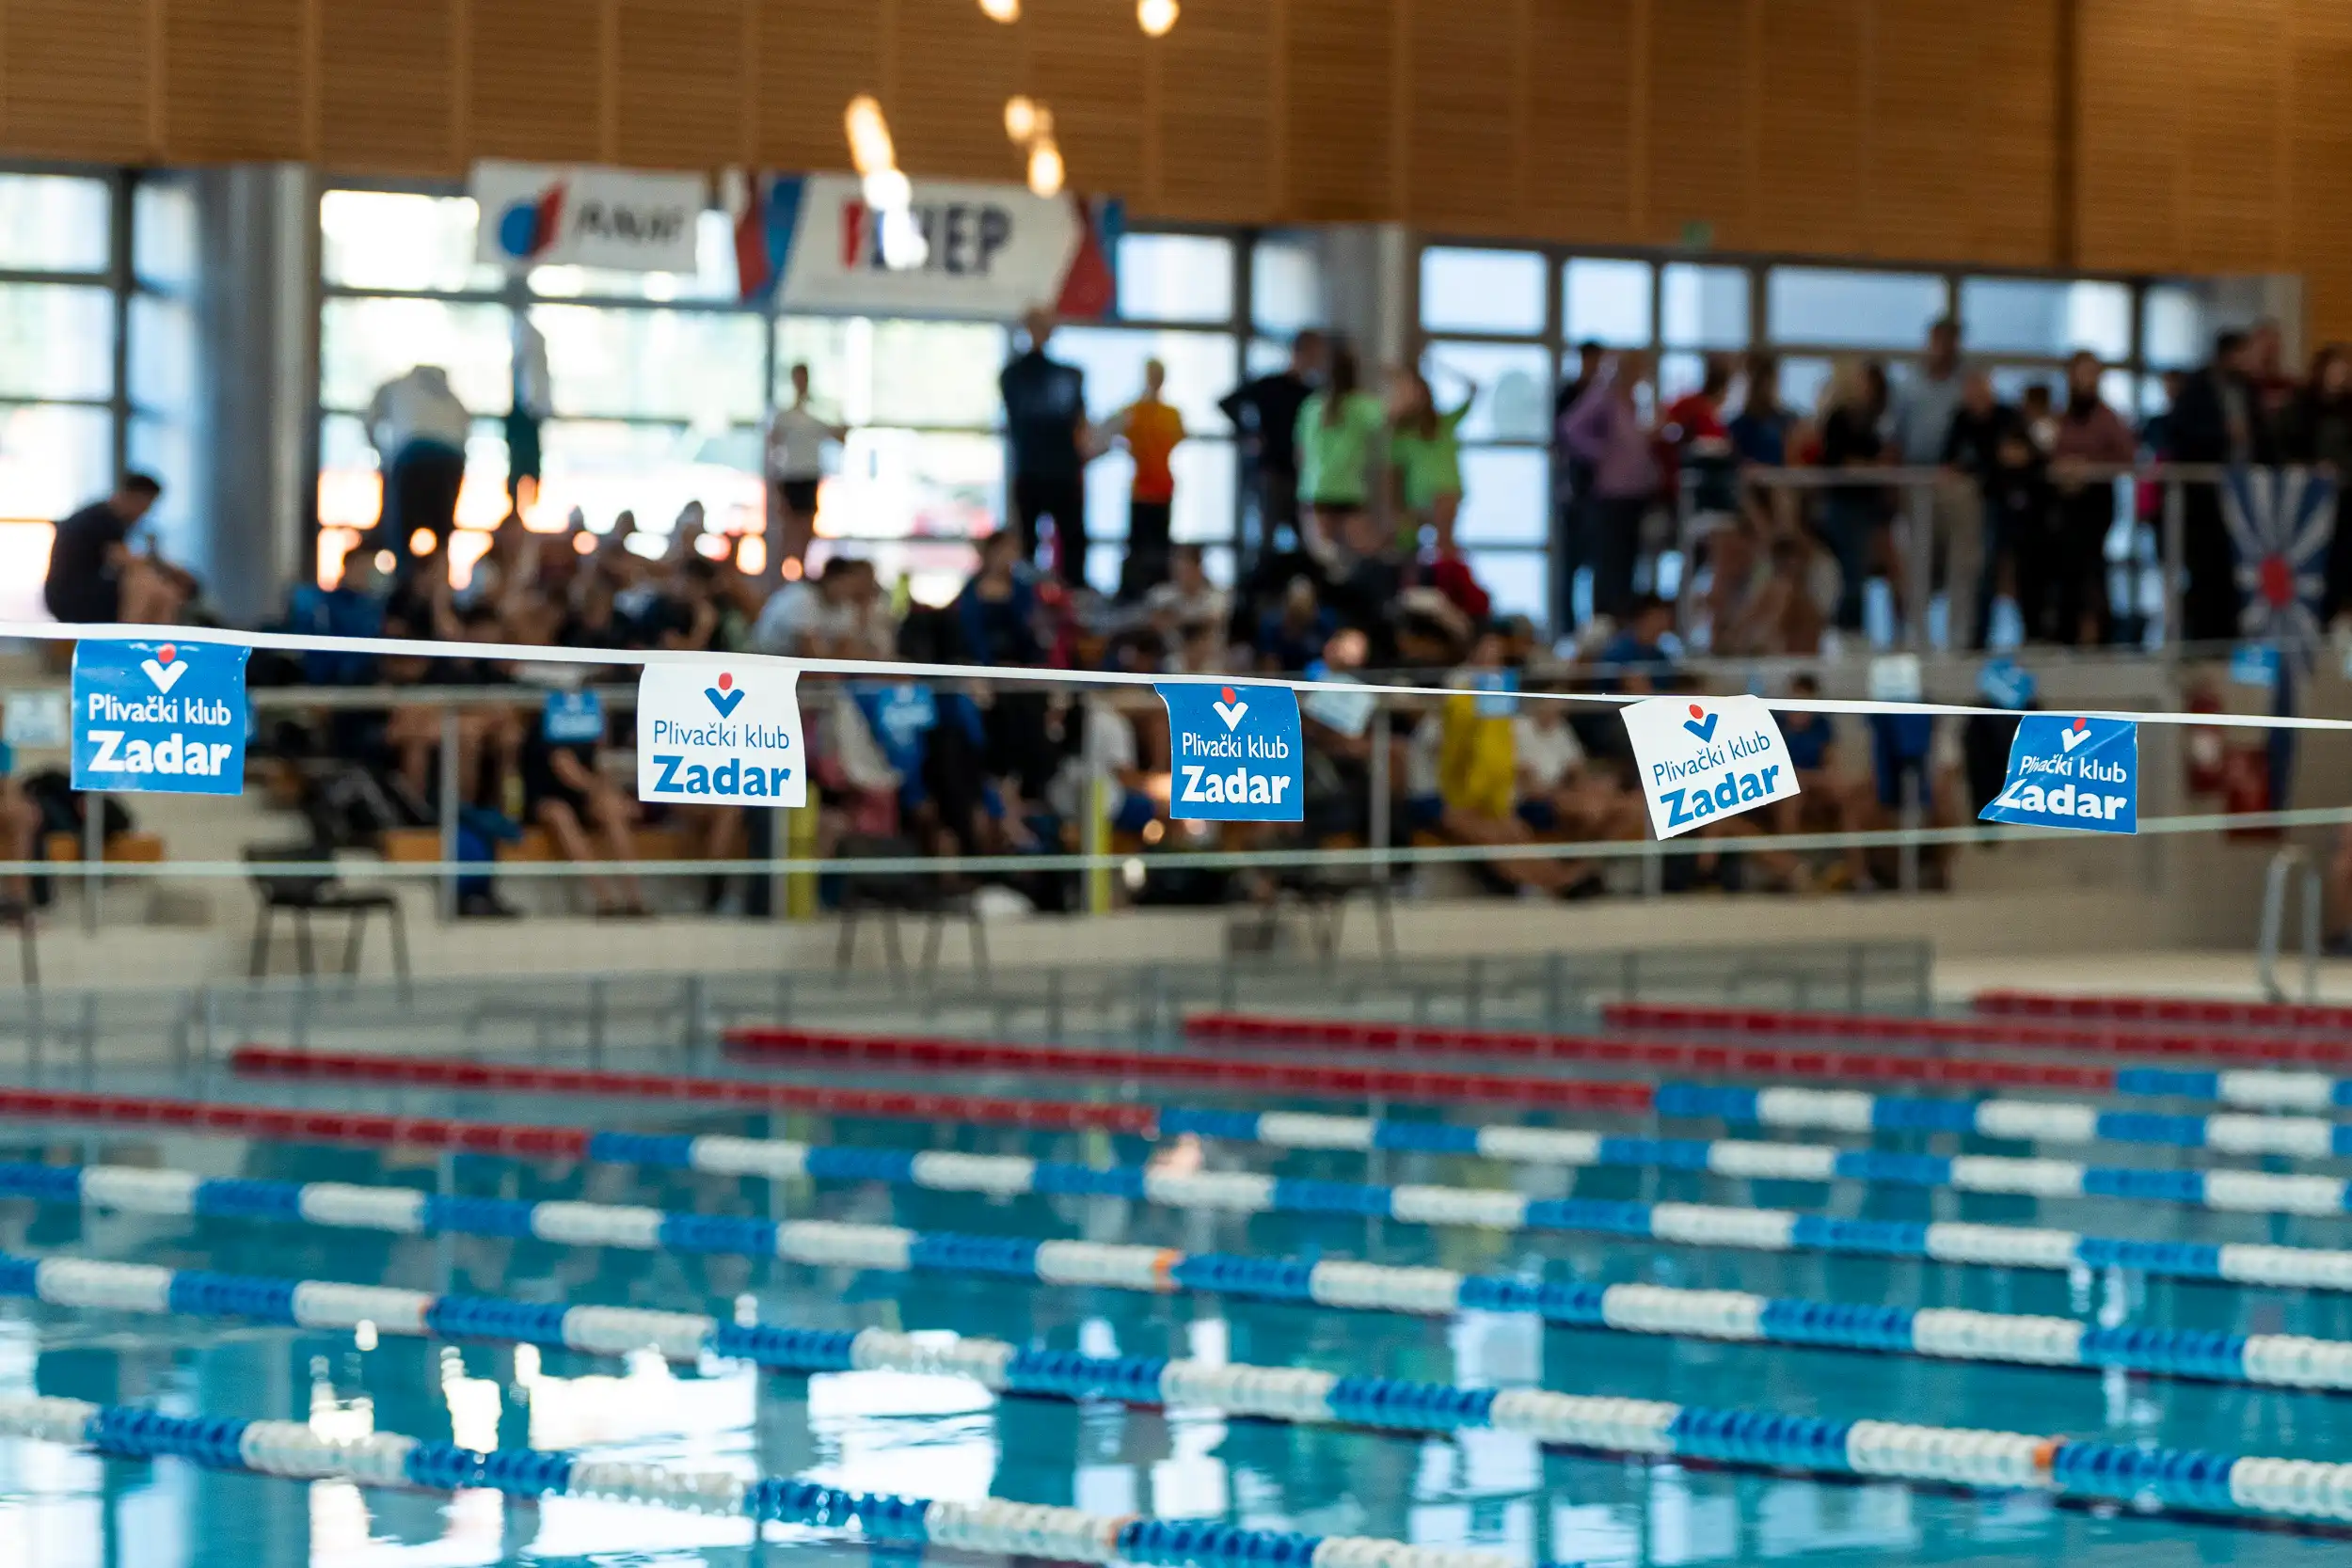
<point x="1339" y="425"/>
<point x="1425" y="449"/>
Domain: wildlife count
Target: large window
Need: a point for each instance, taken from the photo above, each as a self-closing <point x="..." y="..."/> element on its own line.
<point x="74" y="315"/>
<point x="660" y="385"/>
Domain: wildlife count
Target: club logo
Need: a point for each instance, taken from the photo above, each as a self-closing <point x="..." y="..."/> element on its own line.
<point x="2075" y="736"/>
<point x="724" y="696"/>
<point x="1701" y="722"/>
<point x="529" y="228"/>
<point x="1230" y="709"/>
<point x="165" y="669"/>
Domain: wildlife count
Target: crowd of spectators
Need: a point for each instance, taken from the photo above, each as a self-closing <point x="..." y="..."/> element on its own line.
<point x="2022" y="503"/>
<point x="1348" y="566"/>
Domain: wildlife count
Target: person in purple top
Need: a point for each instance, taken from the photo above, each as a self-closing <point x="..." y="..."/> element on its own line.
<point x="1606" y="430"/>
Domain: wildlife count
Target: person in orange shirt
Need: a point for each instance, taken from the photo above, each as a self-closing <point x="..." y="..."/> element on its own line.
<point x="1150" y="427"/>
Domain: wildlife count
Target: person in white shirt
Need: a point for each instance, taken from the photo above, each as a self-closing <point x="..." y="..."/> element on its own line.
<point x="795" y="463"/>
<point x="420" y="429"/>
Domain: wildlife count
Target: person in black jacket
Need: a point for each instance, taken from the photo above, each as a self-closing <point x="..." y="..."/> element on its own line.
<point x="2218" y="420"/>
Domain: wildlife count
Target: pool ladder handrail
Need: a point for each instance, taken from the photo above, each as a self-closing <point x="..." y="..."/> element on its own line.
<point x="2283" y="864"/>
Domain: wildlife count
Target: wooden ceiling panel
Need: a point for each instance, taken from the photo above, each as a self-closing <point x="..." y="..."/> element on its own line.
<point x="388" y="87"/>
<point x="75" y="79"/>
<point x="682" y="86"/>
<point x="536" y="88"/>
<point x="236" y="76"/>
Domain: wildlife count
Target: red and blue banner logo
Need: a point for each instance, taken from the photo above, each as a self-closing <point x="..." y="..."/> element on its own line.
<point x="529" y="228"/>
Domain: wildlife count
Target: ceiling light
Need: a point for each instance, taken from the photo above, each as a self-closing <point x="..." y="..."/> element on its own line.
<point x="1155" y="17"/>
<point x="1019" y="118"/>
<point x="1045" y="170"/>
<point x="1001" y="10"/>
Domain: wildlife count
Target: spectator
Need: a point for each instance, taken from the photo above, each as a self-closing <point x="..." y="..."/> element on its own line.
<point x="94" y="577"/>
<point x="1605" y="429"/>
<point x="1475" y="798"/>
<point x="566" y="794"/>
<point x="1045" y="429"/>
<point x="2089" y="433"/>
<point x="1426" y="447"/>
<point x="1827" y="800"/>
<point x="1338" y="427"/>
<point x="2218" y="418"/>
<point x="996" y="612"/>
<point x="2040" y="414"/>
<point x="1920" y="420"/>
<point x="1572" y="480"/>
<point x="2317" y="431"/>
<point x="1150" y="428"/>
<point x="1265" y="412"/>
<point x="420" y="430"/>
<point x="1186" y="603"/>
<point x="1696" y="443"/>
<point x="795" y="453"/>
<point x="2274" y="386"/>
<point x="837" y="615"/>
<point x="1981" y="431"/>
<point x="1760" y="430"/>
<point x="1637" y="656"/>
<point x="1853" y="515"/>
<point x="1293" y="637"/>
<point x="529" y="407"/>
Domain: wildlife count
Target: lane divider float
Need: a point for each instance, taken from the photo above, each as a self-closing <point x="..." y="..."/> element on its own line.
<point x="2176" y="1477"/>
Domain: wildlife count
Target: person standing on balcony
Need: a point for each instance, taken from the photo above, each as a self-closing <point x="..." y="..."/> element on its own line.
<point x="2218" y="419"/>
<point x="1150" y="428"/>
<point x="1606" y="430"/>
<point x="2317" y="431"/>
<point x="1045" y="428"/>
<point x="1921" y="421"/>
<point x="2089" y="434"/>
<point x="795" y="453"/>
<point x="1572" y="485"/>
<point x="420" y="429"/>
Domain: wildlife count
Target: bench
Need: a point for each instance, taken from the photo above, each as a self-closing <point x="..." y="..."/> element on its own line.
<point x="127" y="848"/>
<point x="422" y="846"/>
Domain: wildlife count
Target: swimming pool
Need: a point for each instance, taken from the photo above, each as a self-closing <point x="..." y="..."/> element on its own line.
<point x="947" y="1437"/>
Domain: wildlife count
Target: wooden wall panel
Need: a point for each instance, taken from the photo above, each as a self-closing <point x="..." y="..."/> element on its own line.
<point x="76" y="79"/>
<point x="814" y="56"/>
<point x="1700" y="120"/>
<point x="1341" y="130"/>
<point x="1813" y="113"/>
<point x="2318" y="196"/>
<point x="2129" y="79"/>
<point x="236" y="79"/>
<point x="388" y="87"/>
<point x="1586" y="98"/>
<point x="536" y="90"/>
<point x="949" y="71"/>
<point x="1216" y="113"/>
<point x="682" y="84"/>
<point x="1462" y="147"/>
<point x="2014" y="203"/>
<point x="2231" y="139"/>
<point x="1087" y="60"/>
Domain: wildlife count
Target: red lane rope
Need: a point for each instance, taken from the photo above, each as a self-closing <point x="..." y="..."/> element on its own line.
<point x="2164" y="1009"/>
<point x="1219" y="1072"/>
<point x="283" y="1125"/>
<point x="883" y="1105"/>
<point x="2199" y="1045"/>
<point x="1734" y="1059"/>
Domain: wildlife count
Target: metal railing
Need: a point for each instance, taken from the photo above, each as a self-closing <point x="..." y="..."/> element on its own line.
<point x="2283" y="868"/>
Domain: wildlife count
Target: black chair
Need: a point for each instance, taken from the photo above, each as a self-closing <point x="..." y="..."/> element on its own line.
<point x="887" y="895"/>
<point x="17" y="913"/>
<point x="305" y="894"/>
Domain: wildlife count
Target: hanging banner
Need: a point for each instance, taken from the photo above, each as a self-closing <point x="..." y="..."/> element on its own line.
<point x="2081" y="774"/>
<point x="159" y="718"/>
<point x="991" y="251"/>
<point x="707" y="737"/>
<point x="577" y="214"/>
<point x="1237" y="753"/>
<point x="1715" y="756"/>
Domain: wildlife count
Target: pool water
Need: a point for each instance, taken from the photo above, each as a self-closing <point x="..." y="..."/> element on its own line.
<point x="947" y="1438"/>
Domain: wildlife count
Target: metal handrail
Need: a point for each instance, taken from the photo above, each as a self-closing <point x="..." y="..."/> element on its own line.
<point x="2282" y="866"/>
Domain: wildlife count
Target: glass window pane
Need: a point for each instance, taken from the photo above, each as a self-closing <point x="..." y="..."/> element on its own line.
<point x="1175" y="277"/>
<point x="1678" y="374"/>
<point x="1286" y="286"/>
<point x="395" y="240"/>
<point x="910" y="483"/>
<point x="365" y="342"/>
<point x="909" y="373"/>
<point x="704" y="367"/>
<point x="162" y="354"/>
<point x="167" y="450"/>
<point x="1854" y="309"/>
<point x="2177" y="330"/>
<point x="604" y="467"/>
<point x="57" y="340"/>
<point x="1802" y="382"/>
<point x="713" y="276"/>
<point x="1200" y="368"/>
<point x="2040" y="315"/>
<point x="1516" y="582"/>
<point x="1204" y="494"/>
<point x="1607" y="301"/>
<point x="2115" y="391"/>
<point x="1703" y="307"/>
<point x="1505" y="497"/>
<point x="2010" y="382"/>
<point x="163" y="233"/>
<point x="1513" y="401"/>
<point x="1481" y="291"/>
<point x="53" y="223"/>
<point x="53" y="460"/>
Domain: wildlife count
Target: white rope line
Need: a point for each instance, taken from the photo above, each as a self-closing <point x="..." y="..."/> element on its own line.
<point x="532" y="653"/>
